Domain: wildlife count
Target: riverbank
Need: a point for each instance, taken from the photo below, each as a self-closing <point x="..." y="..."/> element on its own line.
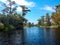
<point x="28" y="26"/>
<point x="25" y="26"/>
<point x="55" y="26"/>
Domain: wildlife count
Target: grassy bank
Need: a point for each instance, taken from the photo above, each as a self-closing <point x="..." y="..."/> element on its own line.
<point x="25" y="26"/>
<point x="53" y="26"/>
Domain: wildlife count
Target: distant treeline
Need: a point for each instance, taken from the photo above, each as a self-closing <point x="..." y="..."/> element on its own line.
<point x="53" y="19"/>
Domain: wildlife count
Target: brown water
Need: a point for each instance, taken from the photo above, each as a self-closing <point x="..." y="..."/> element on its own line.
<point x="31" y="36"/>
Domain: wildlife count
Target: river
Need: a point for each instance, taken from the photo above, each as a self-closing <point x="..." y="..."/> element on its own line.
<point x="33" y="36"/>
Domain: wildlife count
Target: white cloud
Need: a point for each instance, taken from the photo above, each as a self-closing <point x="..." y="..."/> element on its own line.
<point x="20" y="2"/>
<point x="24" y="2"/>
<point x="48" y="8"/>
<point x="3" y="1"/>
<point x="19" y="9"/>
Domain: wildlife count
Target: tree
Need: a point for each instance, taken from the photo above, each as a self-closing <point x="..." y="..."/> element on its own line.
<point x="8" y="9"/>
<point x="41" y="21"/>
<point x="56" y="18"/>
<point x="56" y="15"/>
<point x="11" y="18"/>
<point x="48" y="23"/>
<point x="24" y="10"/>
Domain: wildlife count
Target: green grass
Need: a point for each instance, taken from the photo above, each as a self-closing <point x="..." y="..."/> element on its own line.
<point x="53" y="26"/>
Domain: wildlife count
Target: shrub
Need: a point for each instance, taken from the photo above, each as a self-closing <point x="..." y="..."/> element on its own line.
<point x="1" y="26"/>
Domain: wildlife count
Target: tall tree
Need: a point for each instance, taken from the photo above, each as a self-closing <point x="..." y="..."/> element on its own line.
<point x="41" y="21"/>
<point x="48" y="23"/>
<point x="56" y="15"/>
<point x="24" y="10"/>
<point x="8" y="8"/>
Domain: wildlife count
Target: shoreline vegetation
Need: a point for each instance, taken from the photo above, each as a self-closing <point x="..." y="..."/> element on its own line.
<point x="44" y="26"/>
<point x="10" y="19"/>
<point x="53" y="26"/>
<point x="50" y="20"/>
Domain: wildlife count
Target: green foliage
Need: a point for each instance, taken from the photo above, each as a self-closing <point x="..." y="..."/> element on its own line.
<point x="39" y="23"/>
<point x="10" y="19"/>
<point x="8" y="27"/>
<point x="44" y="21"/>
<point x="9" y="22"/>
<point x="1" y="26"/>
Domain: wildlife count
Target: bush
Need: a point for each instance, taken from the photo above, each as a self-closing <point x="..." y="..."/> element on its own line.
<point x="10" y="22"/>
<point x="9" y="27"/>
<point x="1" y="26"/>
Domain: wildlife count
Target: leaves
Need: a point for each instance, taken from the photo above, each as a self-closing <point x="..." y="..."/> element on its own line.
<point x="24" y="10"/>
<point x="56" y="18"/>
<point x="8" y="8"/>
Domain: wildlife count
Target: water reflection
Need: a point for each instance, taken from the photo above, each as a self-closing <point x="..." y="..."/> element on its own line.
<point x="31" y="36"/>
<point x="49" y="37"/>
<point x="57" y="36"/>
<point x="15" y="37"/>
<point x="42" y="36"/>
<point x="3" y="38"/>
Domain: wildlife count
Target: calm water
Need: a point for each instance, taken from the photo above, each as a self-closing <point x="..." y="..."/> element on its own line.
<point x="31" y="36"/>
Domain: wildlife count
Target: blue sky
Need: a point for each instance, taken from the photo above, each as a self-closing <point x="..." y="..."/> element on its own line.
<point x="38" y="8"/>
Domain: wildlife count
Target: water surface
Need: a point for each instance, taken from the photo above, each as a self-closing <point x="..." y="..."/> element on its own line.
<point x="31" y="36"/>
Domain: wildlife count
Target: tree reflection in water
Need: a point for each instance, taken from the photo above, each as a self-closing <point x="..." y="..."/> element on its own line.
<point x="57" y="36"/>
<point x="31" y="36"/>
<point x="15" y="37"/>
